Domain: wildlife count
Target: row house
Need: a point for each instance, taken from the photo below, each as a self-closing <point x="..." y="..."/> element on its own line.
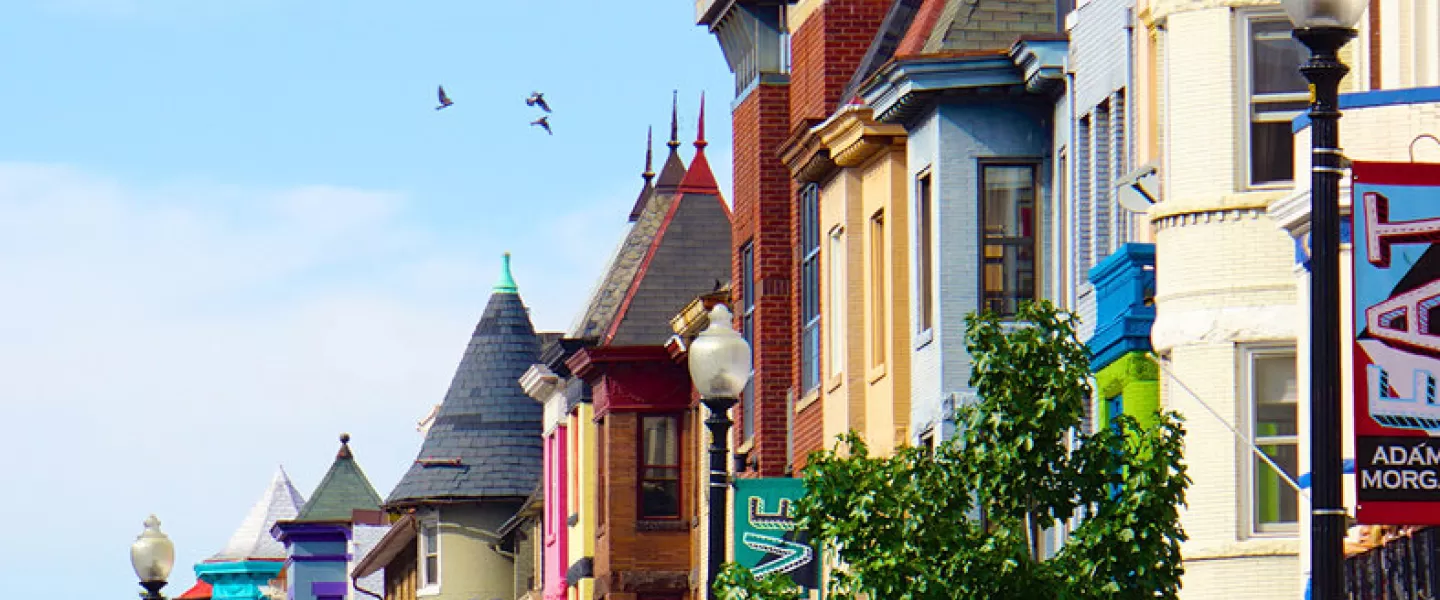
<point x="624" y="436"/>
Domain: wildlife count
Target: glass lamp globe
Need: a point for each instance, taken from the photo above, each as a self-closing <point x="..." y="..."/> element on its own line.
<point x="1324" y="13"/>
<point x="152" y="554"/>
<point x="719" y="358"/>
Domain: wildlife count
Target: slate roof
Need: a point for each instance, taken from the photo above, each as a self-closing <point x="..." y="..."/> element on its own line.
<point x="280" y="502"/>
<point x="485" y="441"/>
<point x="688" y="255"/>
<point x="882" y="48"/>
<point x="344" y="489"/>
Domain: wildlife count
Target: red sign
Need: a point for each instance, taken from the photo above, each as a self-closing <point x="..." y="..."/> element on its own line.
<point x="1396" y="259"/>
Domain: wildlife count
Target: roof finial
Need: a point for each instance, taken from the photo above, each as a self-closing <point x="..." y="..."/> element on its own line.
<point x="700" y="142"/>
<point x="506" y="285"/>
<point x="649" y="154"/>
<point x="674" y="119"/>
<point x="344" y="447"/>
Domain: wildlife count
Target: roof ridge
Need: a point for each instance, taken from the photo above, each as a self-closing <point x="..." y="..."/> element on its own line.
<point x="279" y="502"/>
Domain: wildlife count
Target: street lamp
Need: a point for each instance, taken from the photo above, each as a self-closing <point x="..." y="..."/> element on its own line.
<point x="720" y="366"/>
<point x="152" y="555"/>
<point x="1324" y="26"/>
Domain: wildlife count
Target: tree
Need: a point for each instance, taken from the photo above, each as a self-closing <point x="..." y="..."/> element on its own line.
<point x="965" y="520"/>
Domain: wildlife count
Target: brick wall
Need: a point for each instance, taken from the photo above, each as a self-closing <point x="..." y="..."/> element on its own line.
<point x="762" y="216"/>
<point x="628" y="553"/>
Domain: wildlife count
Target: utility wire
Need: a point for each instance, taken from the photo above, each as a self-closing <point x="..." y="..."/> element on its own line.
<point x="1242" y="437"/>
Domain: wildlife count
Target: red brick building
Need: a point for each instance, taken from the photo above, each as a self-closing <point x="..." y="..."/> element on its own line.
<point x="793" y="62"/>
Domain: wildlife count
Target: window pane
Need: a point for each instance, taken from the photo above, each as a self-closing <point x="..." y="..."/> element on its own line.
<point x="660" y="444"/>
<point x="1275" y="396"/>
<point x="1008" y="243"/>
<point x="877" y="289"/>
<point x="1275" y="59"/>
<point x="1275" y="501"/>
<point x="432" y="570"/>
<point x="835" y="317"/>
<point x="1272" y="149"/>
<point x="660" y="498"/>
<point x="430" y="535"/>
<point x="923" y="244"/>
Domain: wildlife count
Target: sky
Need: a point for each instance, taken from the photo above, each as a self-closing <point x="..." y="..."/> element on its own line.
<point x="232" y="229"/>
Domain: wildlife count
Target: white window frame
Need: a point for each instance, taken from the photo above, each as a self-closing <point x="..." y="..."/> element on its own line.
<point x="833" y="319"/>
<point x="426" y="587"/>
<point x="1245" y="82"/>
<point x="1246" y="455"/>
<point x="924" y="249"/>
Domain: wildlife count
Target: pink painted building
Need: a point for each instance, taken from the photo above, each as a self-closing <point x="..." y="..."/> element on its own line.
<point x="546" y="383"/>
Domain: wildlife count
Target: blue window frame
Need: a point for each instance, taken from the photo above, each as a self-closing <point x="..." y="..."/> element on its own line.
<point x="747" y="329"/>
<point x="809" y="287"/>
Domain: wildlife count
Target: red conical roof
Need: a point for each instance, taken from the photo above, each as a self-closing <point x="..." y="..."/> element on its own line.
<point x="699" y="179"/>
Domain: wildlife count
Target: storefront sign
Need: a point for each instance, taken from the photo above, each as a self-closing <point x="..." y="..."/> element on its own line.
<point x="766" y="537"/>
<point x="1396" y="257"/>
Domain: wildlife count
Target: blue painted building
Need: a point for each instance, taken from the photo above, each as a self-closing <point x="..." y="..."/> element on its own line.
<point x="332" y="532"/>
<point x="980" y="134"/>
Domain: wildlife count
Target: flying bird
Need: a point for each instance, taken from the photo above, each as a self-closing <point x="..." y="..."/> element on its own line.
<point x="543" y="122"/>
<point x="537" y="99"/>
<point x="444" y="100"/>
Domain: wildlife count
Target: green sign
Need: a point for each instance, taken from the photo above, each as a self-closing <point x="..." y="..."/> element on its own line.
<point x="766" y="538"/>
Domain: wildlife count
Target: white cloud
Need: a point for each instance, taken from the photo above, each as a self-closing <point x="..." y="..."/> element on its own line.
<point x="162" y="348"/>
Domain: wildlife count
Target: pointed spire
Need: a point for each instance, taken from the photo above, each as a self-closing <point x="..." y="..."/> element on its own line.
<point x="674" y="120"/>
<point x="648" y="189"/>
<point x="700" y="142"/>
<point x="649" y="154"/>
<point x="699" y="179"/>
<point x="344" y="490"/>
<point x="506" y="285"/>
<point x="674" y="169"/>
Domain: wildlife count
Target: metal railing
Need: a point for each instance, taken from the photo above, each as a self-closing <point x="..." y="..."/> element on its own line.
<point x="1405" y="567"/>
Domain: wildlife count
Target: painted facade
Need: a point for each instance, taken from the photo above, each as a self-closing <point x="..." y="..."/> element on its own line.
<point x="334" y="530"/>
<point x="974" y="148"/>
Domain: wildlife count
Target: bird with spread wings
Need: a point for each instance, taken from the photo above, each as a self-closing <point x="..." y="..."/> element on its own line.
<point x="537" y="99"/>
<point x="445" y="100"/>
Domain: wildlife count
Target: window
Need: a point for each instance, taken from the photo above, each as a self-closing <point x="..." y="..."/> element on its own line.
<point x="877" y="289"/>
<point x="747" y="329"/>
<point x="1269" y="385"/>
<point x="1007" y="238"/>
<point x="924" y="257"/>
<point x="1278" y="93"/>
<point x="835" y="302"/>
<point x="659" y="468"/>
<point x="430" y="553"/>
<point x="602" y="472"/>
<point x="1063" y="226"/>
<point x="809" y="288"/>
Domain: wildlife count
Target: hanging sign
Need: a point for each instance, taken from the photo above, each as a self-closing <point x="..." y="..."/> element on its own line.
<point x="1396" y="259"/>
<point x="767" y="539"/>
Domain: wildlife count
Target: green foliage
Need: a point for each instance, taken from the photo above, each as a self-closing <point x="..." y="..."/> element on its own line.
<point x="739" y="583"/>
<point x="965" y="520"/>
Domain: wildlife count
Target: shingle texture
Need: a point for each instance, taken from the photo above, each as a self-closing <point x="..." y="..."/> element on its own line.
<point x="280" y="502"/>
<point x="486" y="422"/>
<point x="344" y="489"/>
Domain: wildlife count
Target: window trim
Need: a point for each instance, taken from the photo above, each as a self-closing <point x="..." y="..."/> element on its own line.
<point x="1036" y="166"/>
<point x="878" y="241"/>
<point x="1244" y="40"/>
<point x="642" y="465"/>
<point x="748" y="282"/>
<point x="1245" y="381"/>
<point x="810" y="264"/>
<point x="836" y="280"/>
<point x="924" y="210"/>
<point x="425" y="587"/>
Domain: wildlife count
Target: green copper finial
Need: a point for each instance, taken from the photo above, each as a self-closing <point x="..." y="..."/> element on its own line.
<point x="506" y="285"/>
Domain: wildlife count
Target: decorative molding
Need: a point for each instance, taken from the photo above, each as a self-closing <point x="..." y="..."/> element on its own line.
<point x="804" y="155"/>
<point x="1175" y="328"/>
<point x="853" y="136"/>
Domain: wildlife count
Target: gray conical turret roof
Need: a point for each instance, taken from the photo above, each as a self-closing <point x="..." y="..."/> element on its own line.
<point x="485" y="440"/>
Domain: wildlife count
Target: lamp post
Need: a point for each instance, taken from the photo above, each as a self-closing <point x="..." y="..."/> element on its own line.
<point x="720" y="366"/>
<point x="1324" y="26"/>
<point x="152" y="555"/>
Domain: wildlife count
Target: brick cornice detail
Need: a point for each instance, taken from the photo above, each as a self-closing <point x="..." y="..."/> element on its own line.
<point x="853" y="136"/>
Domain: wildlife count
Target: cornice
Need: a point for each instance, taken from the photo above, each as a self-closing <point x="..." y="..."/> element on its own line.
<point x="904" y="87"/>
<point x="539" y="382"/>
<point x="1226" y="203"/>
<point x="1292" y="213"/>
<point x="590" y="363"/>
<point x="807" y="159"/>
<point x="853" y="136"/>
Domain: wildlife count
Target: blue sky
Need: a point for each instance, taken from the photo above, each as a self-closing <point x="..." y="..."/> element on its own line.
<point x="232" y="229"/>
